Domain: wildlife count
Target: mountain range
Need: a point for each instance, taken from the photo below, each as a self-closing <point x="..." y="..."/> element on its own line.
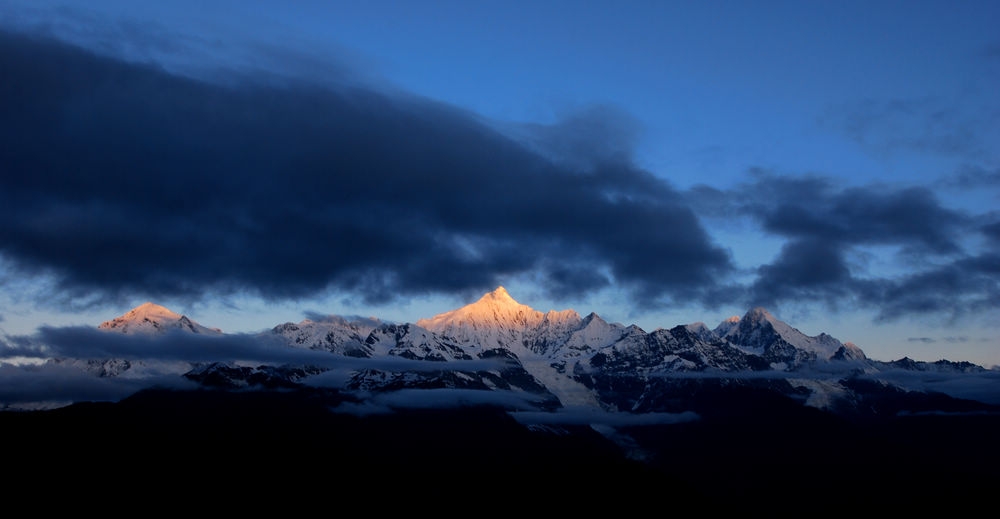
<point x="557" y="361"/>
<point x="750" y="411"/>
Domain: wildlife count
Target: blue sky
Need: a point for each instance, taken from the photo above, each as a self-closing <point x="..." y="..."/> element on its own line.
<point x="836" y="162"/>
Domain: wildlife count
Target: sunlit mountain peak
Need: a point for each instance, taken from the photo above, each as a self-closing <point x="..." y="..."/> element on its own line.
<point x="153" y="318"/>
<point x="496" y="318"/>
<point x="149" y="309"/>
<point x="494" y="309"/>
<point x="500" y="294"/>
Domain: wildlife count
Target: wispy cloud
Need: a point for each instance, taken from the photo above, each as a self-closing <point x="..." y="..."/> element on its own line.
<point x="982" y="387"/>
<point x="929" y="124"/>
<point x="972" y="176"/>
<point x="49" y="368"/>
<point x="79" y="342"/>
<point x="54" y="385"/>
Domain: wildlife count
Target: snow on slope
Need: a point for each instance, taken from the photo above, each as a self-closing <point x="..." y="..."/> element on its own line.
<point x="496" y="320"/>
<point x="758" y="329"/>
<point x="334" y="334"/>
<point x="552" y="346"/>
<point x="147" y="319"/>
<point x="152" y="318"/>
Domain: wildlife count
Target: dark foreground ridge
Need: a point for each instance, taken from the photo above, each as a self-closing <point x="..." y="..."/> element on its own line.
<point x="287" y="449"/>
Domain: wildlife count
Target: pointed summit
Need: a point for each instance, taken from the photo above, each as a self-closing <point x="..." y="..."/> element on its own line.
<point x="759" y="331"/>
<point x="756" y="318"/>
<point x="726" y="326"/>
<point x="759" y="314"/>
<point x="499" y="295"/>
<point x="701" y="331"/>
<point x="494" y="318"/>
<point x="496" y="308"/>
<point x="152" y="318"/>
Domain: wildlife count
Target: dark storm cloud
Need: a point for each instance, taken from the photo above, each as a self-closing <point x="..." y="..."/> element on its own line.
<point x="816" y="209"/>
<point x="825" y="226"/>
<point x="809" y="269"/>
<point x="119" y="178"/>
<point x="967" y="285"/>
<point x="569" y="280"/>
<point x="589" y="136"/>
<point x="992" y="233"/>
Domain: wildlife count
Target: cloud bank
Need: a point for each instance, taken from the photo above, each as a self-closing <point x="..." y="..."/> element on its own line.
<point x="827" y="230"/>
<point x="54" y="385"/>
<point x="123" y="178"/>
<point x="127" y="178"/>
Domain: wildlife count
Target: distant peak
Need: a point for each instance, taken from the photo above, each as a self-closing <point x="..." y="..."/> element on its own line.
<point x="592" y="317"/>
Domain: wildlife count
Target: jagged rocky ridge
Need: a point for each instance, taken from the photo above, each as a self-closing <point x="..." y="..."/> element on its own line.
<point x="554" y="360"/>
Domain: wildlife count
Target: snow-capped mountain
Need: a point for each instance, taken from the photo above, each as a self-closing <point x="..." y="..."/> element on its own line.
<point x="760" y="333"/>
<point x="334" y="334"/>
<point x="555" y="359"/>
<point x="147" y="320"/>
<point x="152" y="318"/>
<point x="497" y="320"/>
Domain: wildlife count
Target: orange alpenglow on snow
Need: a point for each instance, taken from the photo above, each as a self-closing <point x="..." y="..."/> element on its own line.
<point x="149" y="318"/>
